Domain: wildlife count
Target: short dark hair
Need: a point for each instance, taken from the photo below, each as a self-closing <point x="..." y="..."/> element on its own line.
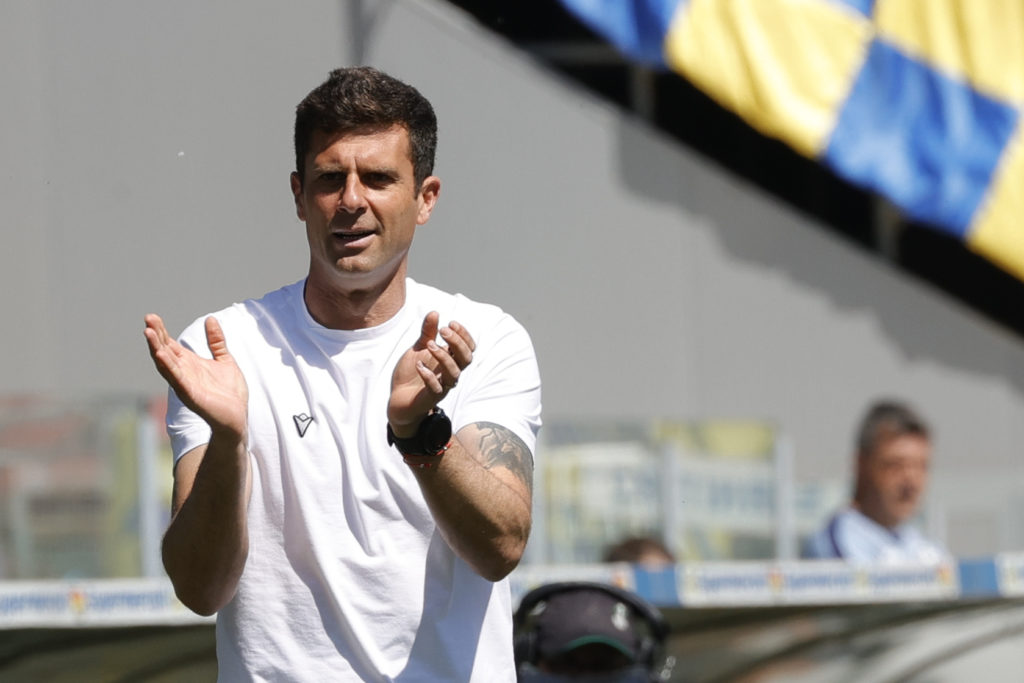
<point x="886" y="419"/>
<point x="364" y="98"/>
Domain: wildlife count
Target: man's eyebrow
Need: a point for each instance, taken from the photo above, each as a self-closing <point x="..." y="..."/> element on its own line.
<point x="383" y="169"/>
<point x="328" y="168"/>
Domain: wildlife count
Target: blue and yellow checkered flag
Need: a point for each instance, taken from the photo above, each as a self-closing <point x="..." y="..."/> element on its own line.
<point x="917" y="100"/>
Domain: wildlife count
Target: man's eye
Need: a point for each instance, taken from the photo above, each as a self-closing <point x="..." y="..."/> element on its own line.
<point x="377" y="179"/>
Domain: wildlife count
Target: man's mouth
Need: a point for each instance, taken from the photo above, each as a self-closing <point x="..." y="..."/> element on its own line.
<point x="351" y="235"/>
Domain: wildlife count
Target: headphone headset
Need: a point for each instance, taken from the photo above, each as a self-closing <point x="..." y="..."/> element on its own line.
<point x="651" y="640"/>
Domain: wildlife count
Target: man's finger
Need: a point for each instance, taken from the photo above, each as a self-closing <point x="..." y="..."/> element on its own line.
<point x="215" y="338"/>
<point x="154" y="325"/>
<point x="155" y="333"/>
<point x="460" y="344"/>
<point x="429" y="330"/>
<point x="460" y="330"/>
<point x="447" y="363"/>
<point x="431" y="380"/>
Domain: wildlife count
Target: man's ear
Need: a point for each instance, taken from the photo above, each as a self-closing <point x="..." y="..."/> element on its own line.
<point x="430" y="189"/>
<point x="296" y="183"/>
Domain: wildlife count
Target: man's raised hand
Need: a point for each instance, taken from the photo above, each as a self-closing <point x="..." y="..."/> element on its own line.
<point x="427" y="372"/>
<point x="214" y="388"/>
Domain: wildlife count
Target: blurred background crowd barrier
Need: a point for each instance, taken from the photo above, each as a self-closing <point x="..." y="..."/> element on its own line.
<point x="86" y="490"/>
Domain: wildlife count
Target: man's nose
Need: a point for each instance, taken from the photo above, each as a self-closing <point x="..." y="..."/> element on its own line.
<point x="352" y="196"/>
<point x="912" y="477"/>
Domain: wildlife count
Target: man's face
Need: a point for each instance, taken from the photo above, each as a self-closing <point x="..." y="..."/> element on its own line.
<point x="361" y="206"/>
<point x="893" y="477"/>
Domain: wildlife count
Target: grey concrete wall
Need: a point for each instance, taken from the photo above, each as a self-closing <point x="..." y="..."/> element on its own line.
<point x="145" y="155"/>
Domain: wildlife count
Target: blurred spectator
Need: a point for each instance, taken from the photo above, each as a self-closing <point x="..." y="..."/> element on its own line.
<point x="646" y="551"/>
<point x="575" y="631"/>
<point x="893" y="453"/>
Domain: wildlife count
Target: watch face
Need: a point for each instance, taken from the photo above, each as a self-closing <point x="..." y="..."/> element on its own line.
<point x="438" y="432"/>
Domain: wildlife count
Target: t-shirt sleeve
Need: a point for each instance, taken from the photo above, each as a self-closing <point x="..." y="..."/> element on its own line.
<point x="502" y="384"/>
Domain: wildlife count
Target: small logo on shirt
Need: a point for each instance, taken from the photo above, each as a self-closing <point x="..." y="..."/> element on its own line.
<point x="302" y="422"/>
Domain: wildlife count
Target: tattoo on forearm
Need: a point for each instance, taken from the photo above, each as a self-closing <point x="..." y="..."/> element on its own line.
<point x="501" y="448"/>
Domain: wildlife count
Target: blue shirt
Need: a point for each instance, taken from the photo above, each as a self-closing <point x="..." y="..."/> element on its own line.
<point x="850" y="535"/>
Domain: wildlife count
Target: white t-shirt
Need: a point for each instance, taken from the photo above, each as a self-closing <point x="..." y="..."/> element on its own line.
<point x="347" y="577"/>
<point x="850" y="535"/>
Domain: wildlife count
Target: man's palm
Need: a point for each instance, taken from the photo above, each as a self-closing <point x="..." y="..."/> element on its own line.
<point x="214" y="388"/>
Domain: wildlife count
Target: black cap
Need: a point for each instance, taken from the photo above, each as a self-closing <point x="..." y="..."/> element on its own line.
<point x="584" y="616"/>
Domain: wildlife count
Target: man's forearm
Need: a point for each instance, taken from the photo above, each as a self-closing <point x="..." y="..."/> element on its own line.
<point x="207" y="543"/>
<point x="480" y="496"/>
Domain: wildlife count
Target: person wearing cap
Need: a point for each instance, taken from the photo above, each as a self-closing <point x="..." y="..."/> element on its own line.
<point x="568" y="631"/>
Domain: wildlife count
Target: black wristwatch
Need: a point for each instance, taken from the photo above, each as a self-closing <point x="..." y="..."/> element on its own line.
<point x="431" y="438"/>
